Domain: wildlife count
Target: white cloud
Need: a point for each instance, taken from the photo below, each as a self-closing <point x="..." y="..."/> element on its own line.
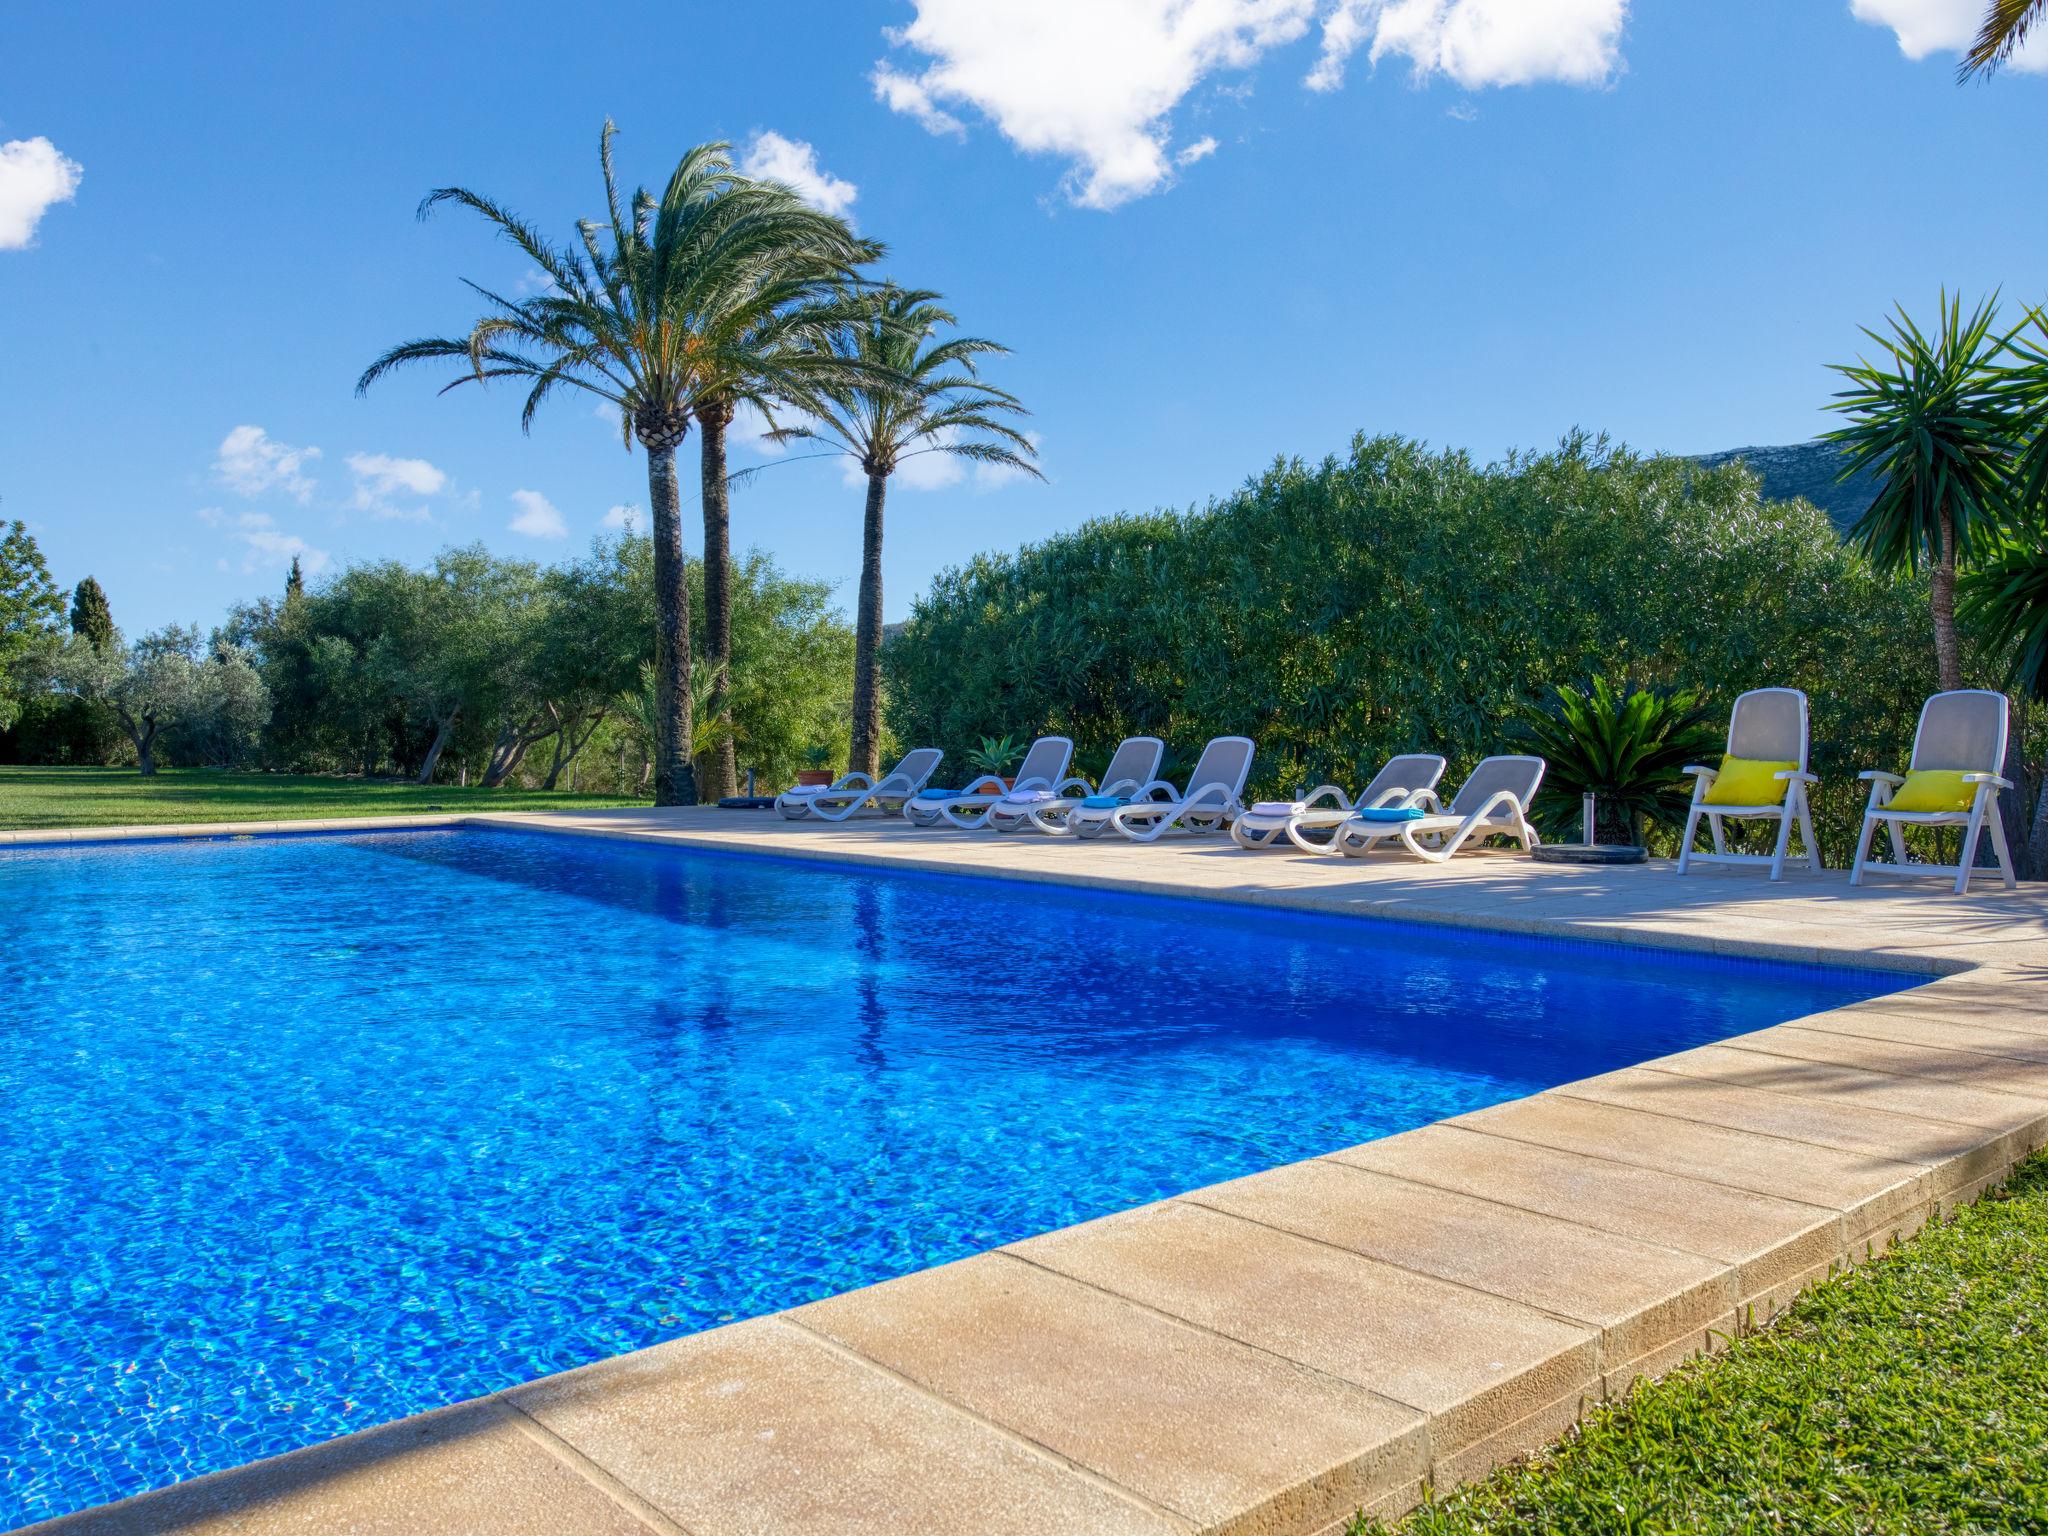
<point x="1093" y="81"/>
<point x="34" y="176"/>
<point x="1097" y="82"/>
<point x="263" y="545"/>
<point x="537" y="517"/>
<point x="624" y="518"/>
<point x="749" y="432"/>
<point x="771" y="157"/>
<point x="251" y="462"/>
<point x="989" y="477"/>
<point x="1478" y="42"/>
<point x="1463" y="112"/>
<point x="380" y="479"/>
<point x="1944" y="26"/>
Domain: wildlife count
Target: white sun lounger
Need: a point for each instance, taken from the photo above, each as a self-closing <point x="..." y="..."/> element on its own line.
<point x="1134" y="764"/>
<point x="1209" y="802"/>
<point x="1767" y="725"/>
<point x="1961" y="732"/>
<point x="1494" y="799"/>
<point x="1270" y="823"/>
<point x="1044" y="767"/>
<point x="857" y="792"/>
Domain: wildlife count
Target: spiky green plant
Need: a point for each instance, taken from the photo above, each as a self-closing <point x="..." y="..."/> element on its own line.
<point x="1932" y="421"/>
<point x="1626" y="746"/>
<point x="995" y="754"/>
<point x="901" y="394"/>
<point x="2007" y="24"/>
<point x="669" y="305"/>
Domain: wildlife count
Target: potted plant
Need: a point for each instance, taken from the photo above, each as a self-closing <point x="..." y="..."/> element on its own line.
<point x="1626" y="747"/>
<point x="815" y="771"/>
<point x="995" y="756"/>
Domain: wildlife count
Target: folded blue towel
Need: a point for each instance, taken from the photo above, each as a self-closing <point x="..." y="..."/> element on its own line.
<point x="1105" y="802"/>
<point x="1388" y="813"/>
<point x="936" y="794"/>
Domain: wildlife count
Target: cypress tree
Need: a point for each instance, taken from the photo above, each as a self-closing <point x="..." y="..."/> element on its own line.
<point x="295" y="583"/>
<point x="91" y="619"/>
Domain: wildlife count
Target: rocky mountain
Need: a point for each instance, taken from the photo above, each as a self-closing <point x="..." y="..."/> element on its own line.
<point x="1809" y="470"/>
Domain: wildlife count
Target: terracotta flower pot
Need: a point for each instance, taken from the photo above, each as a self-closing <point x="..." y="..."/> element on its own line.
<point x="809" y="778"/>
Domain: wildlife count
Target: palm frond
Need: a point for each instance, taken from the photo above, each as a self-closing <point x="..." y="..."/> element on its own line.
<point x="2007" y="24"/>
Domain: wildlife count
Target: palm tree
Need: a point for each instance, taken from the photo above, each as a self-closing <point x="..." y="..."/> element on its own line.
<point x="654" y="310"/>
<point x="2006" y="25"/>
<point x="901" y="394"/>
<point x="1933" y="423"/>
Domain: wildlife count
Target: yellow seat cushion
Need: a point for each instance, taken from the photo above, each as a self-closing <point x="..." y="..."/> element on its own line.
<point x="1749" y="781"/>
<point x="1932" y="789"/>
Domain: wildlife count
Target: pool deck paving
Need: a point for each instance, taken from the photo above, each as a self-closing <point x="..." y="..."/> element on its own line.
<point x="1272" y="1354"/>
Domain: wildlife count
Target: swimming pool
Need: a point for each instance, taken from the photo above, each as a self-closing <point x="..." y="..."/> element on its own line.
<point x="307" y="1133"/>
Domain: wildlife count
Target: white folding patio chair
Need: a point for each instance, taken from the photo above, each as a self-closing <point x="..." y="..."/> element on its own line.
<point x="1212" y="797"/>
<point x="857" y="792"/>
<point x="1952" y="781"/>
<point x="1763" y="777"/>
<point x="1270" y="823"/>
<point x="1133" y="765"/>
<point x="1044" y="766"/>
<point x="1494" y="799"/>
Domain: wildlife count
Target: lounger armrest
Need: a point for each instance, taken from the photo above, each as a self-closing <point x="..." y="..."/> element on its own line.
<point x="1879" y="776"/>
<point x="1070" y="785"/>
<point x="1796" y="776"/>
<point x="1147" y="791"/>
<point x="1987" y="778"/>
<point x="1494" y="802"/>
<point x="855" y="780"/>
<point x="1700" y="771"/>
<point x="1427" y="800"/>
<point x="982" y="785"/>
<point x="1329" y="792"/>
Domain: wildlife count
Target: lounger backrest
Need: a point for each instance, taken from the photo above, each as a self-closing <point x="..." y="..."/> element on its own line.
<point x="1136" y="761"/>
<point x="917" y="766"/>
<point x="1962" y="732"/>
<point x="1519" y="776"/>
<point x="1768" y="725"/>
<point x="1227" y="761"/>
<point x="1408" y="772"/>
<point x="1046" y="763"/>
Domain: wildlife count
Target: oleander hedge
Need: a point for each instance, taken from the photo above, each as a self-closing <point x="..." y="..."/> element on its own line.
<point x="1402" y="599"/>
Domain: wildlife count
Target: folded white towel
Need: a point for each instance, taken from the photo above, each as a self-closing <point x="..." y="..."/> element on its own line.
<point x="1279" y="807"/>
<point x="1029" y="796"/>
<point x="801" y="790"/>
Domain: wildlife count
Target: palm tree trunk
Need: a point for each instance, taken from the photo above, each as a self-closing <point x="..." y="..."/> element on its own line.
<point x="721" y="774"/>
<point x="675" y="782"/>
<point x="866" y="753"/>
<point x="1948" y="660"/>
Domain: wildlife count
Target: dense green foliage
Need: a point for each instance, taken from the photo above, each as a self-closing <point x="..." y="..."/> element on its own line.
<point x="32" y="798"/>
<point x="474" y="669"/>
<point x="1627" y="747"/>
<point x="1902" y="1399"/>
<point x="91" y="618"/>
<point x="1403" y="600"/>
<point x="30" y="608"/>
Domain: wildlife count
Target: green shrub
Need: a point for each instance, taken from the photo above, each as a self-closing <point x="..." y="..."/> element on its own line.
<point x="1404" y="600"/>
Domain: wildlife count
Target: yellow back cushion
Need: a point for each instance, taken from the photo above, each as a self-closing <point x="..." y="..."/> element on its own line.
<point x="1749" y="781"/>
<point x="1933" y="789"/>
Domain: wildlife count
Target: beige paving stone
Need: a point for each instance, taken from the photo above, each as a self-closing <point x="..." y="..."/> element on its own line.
<point x="1944" y="1063"/>
<point x="1768" y="1239"/>
<point x="1864" y="1188"/>
<point x="1455" y="1466"/>
<point x="1954" y="1153"/>
<point x="1960" y="1103"/>
<point x="763" y="1429"/>
<point x="1232" y="1438"/>
<point x="467" y="1468"/>
<point x="1472" y="1361"/>
<point x="1941" y="1034"/>
<point x="2014" y="1003"/>
<point x="1639" y="1296"/>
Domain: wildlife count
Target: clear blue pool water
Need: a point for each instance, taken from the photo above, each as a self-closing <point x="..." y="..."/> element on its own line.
<point x="302" y="1134"/>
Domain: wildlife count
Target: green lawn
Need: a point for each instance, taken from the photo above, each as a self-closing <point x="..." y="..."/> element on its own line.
<point x="1908" y="1397"/>
<point x="107" y="797"/>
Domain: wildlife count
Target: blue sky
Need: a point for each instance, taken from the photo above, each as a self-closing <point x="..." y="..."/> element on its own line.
<point x="1507" y="217"/>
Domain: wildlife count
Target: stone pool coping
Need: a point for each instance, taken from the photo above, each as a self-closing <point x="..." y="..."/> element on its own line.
<point x="1270" y="1354"/>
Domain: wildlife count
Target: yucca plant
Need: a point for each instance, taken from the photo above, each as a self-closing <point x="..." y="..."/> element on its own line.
<point x="1626" y="746"/>
<point x="1934" y="422"/>
<point x="995" y="755"/>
